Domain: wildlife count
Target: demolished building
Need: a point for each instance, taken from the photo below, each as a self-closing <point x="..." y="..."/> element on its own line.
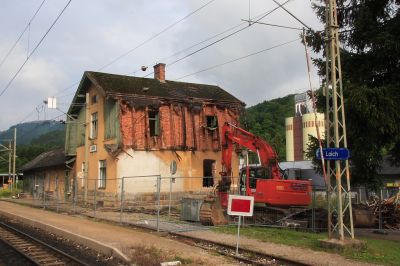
<point x="122" y="127"/>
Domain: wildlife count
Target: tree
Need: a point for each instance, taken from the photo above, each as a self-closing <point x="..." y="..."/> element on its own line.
<point x="370" y="56"/>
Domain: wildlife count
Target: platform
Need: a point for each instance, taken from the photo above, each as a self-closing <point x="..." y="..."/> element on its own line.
<point x="118" y="240"/>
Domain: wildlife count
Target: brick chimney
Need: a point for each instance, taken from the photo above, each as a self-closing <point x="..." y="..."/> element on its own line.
<point x="159" y="72"/>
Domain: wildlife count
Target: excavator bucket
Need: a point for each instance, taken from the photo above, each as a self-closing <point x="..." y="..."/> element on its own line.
<point x="212" y="213"/>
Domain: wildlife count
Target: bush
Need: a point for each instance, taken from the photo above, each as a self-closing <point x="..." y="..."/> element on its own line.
<point x="5" y="193"/>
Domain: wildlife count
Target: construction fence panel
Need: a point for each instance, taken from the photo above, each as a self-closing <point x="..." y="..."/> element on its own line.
<point x="169" y="203"/>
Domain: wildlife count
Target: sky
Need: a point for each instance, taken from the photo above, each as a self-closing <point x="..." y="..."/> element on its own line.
<point x="91" y="34"/>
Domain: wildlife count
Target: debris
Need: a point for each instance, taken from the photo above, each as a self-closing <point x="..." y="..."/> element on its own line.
<point x="390" y="211"/>
<point x="171" y="263"/>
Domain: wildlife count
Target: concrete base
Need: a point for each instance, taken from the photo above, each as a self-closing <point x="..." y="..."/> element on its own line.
<point x="380" y="232"/>
<point x="337" y="244"/>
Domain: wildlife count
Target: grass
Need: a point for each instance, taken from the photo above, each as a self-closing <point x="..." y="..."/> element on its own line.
<point x="378" y="251"/>
<point x="5" y="193"/>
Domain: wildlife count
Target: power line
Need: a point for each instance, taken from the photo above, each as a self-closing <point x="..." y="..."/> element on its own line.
<point x="290" y="13"/>
<point x="155" y="35"/>
<point x="34" y="49"/>
<point x="274" y="25"/>
<point x="141" y="44"/>
<point x="22" y="33"/>
<point x="226" y="36"/>
<point x="239" y="58"/>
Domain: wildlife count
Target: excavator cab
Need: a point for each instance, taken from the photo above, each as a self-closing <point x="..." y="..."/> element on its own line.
<point x="255" y="173"/>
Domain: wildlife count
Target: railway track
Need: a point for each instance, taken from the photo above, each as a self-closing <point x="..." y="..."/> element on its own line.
<point x="34" y="250"/>
<point x="246" y="256"/>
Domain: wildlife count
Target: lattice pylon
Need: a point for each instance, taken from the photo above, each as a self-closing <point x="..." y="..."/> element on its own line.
<point x="340" y="219"/>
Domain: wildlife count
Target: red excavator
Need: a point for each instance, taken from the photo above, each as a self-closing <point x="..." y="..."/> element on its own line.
<point x="264" y="182"/>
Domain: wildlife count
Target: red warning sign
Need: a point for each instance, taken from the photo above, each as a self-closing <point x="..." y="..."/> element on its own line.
<point x="240" y="205"/>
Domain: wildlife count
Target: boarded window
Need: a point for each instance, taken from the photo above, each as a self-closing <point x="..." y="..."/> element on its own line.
<point x="154" y="123"/>
<point x="94" y="125"/>
<point x="102" y="174"/>
<point x="111" y="121"/>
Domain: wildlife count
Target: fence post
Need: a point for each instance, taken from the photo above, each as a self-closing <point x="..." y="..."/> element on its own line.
<point x="75" y="193"/>
<point x="57" y="197"/>
<point x="380" y="209"/>
<point x="94" y="198"/>
<point x="122" y="200"/>
<point x="313" y="211"/>
<point x="170" y="198"/>
<point x="44" y="193"/>
<point x="158" y="201"/>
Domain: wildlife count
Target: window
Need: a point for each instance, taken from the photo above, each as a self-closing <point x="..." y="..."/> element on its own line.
<point x="212" y="122"/>
<point x="154" y="123"/>
<point x="208" y="172"/>
<point x="102" y="174"/>
<point x="94" y="99"/>
<point x="94" y="124"/>
<point x="82" y="175"/>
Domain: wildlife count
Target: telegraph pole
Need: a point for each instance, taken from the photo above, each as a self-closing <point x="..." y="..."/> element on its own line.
<point x="9" y="161"/>
<point x="87" y="136"/>
<point x="338" y="183"/>
<point x="14" y="157"/>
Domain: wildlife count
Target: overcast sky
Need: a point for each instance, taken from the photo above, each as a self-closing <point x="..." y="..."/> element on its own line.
<point x="92" y="33"/>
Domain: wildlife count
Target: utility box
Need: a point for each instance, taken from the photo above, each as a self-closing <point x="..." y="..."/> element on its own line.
<point x="190" y="210"/>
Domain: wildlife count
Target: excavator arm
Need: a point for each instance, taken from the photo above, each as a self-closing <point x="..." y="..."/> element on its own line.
<point x="235" y="135"/>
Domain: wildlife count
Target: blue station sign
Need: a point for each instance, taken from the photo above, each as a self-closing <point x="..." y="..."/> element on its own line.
<point x="333" y="153"/>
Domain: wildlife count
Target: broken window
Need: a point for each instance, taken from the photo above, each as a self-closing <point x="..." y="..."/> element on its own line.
<point x="102" y="174"/>
<point x="94" y="124"/>
<point x="208" y="172"/>
<point x="154" y="123"/>
<point x="212" y="122"/>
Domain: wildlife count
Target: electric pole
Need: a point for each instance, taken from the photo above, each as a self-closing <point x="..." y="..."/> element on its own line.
<point x="14" y="185"/>
<point x="338" y="183"/>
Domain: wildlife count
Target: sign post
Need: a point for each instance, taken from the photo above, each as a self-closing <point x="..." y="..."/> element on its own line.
<point x="240" y="206"/>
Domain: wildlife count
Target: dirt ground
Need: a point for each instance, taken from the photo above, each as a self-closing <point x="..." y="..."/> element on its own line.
<point x="124" y="239"/>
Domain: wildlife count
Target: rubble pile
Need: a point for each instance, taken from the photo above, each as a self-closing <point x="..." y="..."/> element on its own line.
<point x="390" y="211"/>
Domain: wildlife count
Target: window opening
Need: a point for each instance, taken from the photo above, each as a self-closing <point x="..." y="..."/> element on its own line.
<point x="212" y="122"/>
<point x="209" y="171"/>
<point x="102" y="174"/>
<point x="154" y="123"/>
<point x="94" y="125"/>
<point x="94" y="99"/>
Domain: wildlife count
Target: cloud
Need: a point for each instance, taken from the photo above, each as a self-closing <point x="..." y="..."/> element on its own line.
<point x="92" y="33"/>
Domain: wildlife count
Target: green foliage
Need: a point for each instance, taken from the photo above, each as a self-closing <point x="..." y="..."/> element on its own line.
<point x="267" y="120"/>
<point x="5" y="193"/>
<point x="26" y="132"/>
<point x="370" y="56"/>
<point x="383" y="252"/>
<point x="26" y="152"/>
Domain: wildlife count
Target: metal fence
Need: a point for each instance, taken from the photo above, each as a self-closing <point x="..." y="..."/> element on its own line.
<point x="164" y="203"/>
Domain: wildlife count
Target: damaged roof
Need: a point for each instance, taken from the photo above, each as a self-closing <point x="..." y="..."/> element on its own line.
<point x="46" y="159"/>
<point x="138" y="87"/>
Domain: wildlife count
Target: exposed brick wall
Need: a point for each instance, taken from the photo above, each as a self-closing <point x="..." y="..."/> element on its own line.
<point x="180" y="127"/>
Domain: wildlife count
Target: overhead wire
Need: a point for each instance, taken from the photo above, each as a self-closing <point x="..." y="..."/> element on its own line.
<point x="291" y="14"/>
<point x="225" y="37"/>
<point x="21" y="34"/>
<point x="155" y="35"/>
<point x="141" y="44"/>
<point x="239" y="58"/>
<point x="34" y="49"/>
